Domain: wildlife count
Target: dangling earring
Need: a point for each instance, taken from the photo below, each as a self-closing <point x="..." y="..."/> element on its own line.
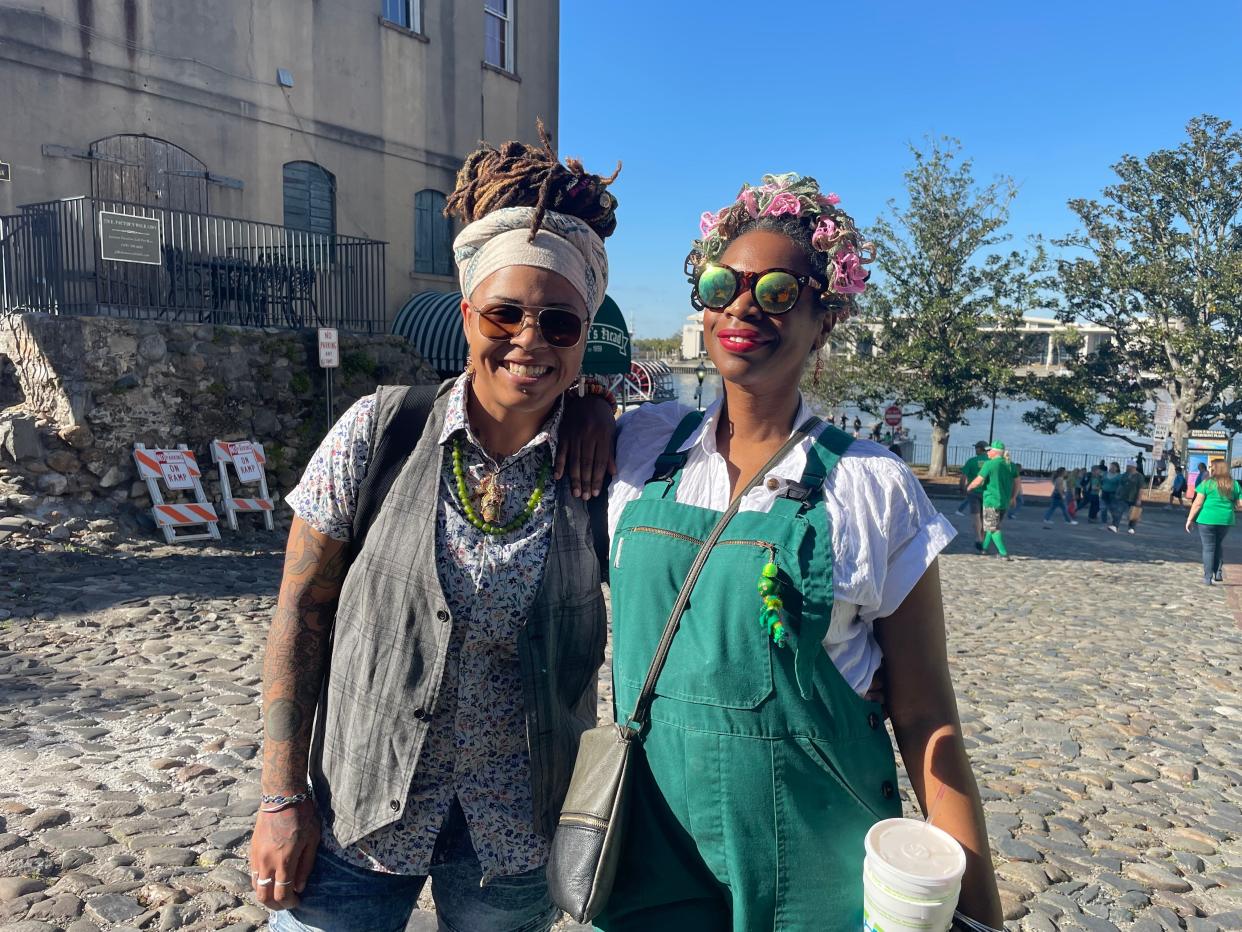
<point x="469" y="368"/>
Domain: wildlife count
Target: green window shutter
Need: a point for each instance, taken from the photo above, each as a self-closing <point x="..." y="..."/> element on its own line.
<point x="433" y="234"/>
<point x="310" y="198"/>
<point x="424" y="232"/>
<point x="442" y="247"/>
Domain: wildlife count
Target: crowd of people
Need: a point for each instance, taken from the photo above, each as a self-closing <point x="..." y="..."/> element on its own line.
<point x="1110" y="496"/>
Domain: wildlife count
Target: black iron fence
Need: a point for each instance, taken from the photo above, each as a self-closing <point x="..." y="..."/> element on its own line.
<point x="86" y="256"/>
<point x="1033" y="460"/>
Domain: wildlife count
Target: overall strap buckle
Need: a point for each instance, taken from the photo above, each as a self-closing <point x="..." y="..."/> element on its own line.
<point x="671" y="461"/>
<point x="799" y="492"/>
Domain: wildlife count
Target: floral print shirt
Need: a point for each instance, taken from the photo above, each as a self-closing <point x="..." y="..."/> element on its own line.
<point x="476" y="744"/>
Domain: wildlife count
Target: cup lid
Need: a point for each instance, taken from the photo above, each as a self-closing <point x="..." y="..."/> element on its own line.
<point x="917" y="849"/>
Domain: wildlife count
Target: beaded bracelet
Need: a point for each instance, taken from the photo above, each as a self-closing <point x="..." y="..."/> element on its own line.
<point x="590" y="386"/>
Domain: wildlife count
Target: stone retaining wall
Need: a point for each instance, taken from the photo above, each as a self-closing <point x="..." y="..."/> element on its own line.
<point x="77" y="392"/>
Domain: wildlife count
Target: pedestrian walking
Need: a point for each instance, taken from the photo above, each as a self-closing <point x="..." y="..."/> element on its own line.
<point x="1109" y="484"/>
<point x="762" y="765"/>
<point x="1214" y="512"/>
<point x="995" y="483"/>
<point x="1094" y="485"/>
<point x="972" y="502"/>
<point x="1179" y="486"/>
<point x="857" y="425"/>
<point x="1130" y="496"/>
<point x="449" y="663"/>
<point x="1060" y="492"/>
<point x="1017" y="491"/>
<point x="843" y="420"/>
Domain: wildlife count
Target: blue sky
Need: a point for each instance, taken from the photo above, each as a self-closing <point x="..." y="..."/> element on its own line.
<point x="695" y="98"/>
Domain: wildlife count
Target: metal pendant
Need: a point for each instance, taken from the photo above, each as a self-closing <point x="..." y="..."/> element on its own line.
<point x="491" y="499"/>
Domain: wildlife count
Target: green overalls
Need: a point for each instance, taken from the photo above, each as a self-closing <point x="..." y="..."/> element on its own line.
<point x="762" y="769"/>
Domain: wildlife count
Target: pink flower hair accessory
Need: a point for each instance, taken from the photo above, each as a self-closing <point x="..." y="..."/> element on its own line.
<point x="790" y="195"/>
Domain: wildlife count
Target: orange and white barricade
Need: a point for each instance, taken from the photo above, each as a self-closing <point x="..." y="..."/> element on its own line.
<point x="178" y="470"/>
<point x="248" y="460"/>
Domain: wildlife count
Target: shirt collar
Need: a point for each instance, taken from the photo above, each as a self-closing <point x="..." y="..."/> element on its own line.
<point x="704" y="437"/>
<point x="457" y="419"/>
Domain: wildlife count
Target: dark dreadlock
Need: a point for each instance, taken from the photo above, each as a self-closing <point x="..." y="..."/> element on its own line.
<point x="518" y="175"/>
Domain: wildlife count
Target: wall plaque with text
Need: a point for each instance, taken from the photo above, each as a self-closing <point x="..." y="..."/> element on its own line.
<point x="128" y="238"/>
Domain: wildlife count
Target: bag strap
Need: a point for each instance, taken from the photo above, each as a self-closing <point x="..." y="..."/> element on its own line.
<point x="639" y="716"/>
<point x="389" y="451"/>
<point x="597" y="511"/>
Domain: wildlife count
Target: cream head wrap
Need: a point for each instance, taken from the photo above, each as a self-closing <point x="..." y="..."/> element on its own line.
<point x="564" y="245"/>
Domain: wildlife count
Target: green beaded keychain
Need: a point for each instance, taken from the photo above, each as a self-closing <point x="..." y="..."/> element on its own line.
<point x="772" y="615"/>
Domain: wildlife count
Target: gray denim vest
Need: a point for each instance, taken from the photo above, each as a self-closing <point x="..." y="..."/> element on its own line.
<point x="392" y="634"/>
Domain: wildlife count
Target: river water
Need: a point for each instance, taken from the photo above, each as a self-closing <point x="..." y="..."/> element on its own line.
<point x="1070" y="446"/>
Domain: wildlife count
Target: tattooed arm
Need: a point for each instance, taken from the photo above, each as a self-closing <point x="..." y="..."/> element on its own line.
<point x="284" y="843"/>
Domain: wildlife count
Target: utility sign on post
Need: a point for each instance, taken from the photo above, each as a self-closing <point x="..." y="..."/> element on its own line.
<point x="329" y="348"/>
<point x="892" y="416"/>
<point x="1162" y="423"/>
<point x="329" y="359"/>
<point x="174" y="469"/>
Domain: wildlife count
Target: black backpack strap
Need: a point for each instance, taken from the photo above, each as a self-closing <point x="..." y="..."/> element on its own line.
<point x="389" y="451"/>
<point x="597" y="510"/>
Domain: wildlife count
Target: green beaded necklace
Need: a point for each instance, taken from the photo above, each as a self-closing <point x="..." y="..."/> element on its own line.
<point x="463" y="493"/>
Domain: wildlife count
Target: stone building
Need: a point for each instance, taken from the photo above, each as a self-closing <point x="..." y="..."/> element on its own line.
<point x="324" y="127"/>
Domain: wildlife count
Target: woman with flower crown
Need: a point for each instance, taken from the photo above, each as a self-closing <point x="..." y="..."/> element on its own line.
<point x="764" y="762"/>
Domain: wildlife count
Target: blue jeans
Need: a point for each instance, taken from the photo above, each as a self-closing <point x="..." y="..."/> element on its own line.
<point x="340" y="897"/>
<point x="1058" y="503"/>
<point x="1112" y="509"/>
<point x="1212" y="537"/>
<point x="1017" y="505"/>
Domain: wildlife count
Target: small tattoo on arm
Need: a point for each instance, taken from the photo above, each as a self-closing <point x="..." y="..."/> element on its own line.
<point x="284" y="720"/>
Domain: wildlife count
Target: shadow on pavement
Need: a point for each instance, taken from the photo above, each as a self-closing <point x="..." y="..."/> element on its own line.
<point x="89" y="582"/>
<point x="1160" y="537"/>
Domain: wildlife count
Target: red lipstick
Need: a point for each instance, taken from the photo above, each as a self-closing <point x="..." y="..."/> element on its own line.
<point x="740" y="341"/>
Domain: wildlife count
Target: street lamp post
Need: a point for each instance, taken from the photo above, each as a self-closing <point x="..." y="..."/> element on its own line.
<point x="992" y="422"/>
<point x="700" y="373"/>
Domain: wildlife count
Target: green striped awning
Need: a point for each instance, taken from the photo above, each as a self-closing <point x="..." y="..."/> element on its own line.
<point x="431" y="320"/>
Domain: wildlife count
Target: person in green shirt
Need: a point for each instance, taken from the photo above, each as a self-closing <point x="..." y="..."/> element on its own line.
<point x="995" y="480"/>
<point x="970" y="469"/>
<point x="1214" y="511"/>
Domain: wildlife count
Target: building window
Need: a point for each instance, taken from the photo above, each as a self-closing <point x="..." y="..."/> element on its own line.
<point x="433" y="235"/>
<point x="405" y="13"/>
<point x="498" y="33"/>
<point x="310" y="198"/>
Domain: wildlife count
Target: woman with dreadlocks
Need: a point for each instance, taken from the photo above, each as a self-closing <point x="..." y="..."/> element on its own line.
<point x="460" y="642"/>
<point x="765" y="764"/>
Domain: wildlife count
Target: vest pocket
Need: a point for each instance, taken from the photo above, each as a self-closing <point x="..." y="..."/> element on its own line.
<point x="721" y="655"/>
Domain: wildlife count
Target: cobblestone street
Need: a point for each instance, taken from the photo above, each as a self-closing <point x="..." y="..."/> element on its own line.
<point x="1099" y="679"/>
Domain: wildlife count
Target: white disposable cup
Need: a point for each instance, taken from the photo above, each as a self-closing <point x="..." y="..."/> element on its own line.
<point x="912" y="876"/>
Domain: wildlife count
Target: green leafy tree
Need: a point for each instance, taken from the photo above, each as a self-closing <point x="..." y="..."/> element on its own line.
<point x="659" y="347"/>
<point x="938" y="332"/>
<point x="1158" y="263"/>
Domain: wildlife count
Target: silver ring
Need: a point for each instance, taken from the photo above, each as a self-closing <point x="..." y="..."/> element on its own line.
<point x="284" y="883"/>
<point x="265" y="881"/>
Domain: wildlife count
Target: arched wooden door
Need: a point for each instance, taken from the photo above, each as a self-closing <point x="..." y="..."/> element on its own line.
<point x="146" y="170"/>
